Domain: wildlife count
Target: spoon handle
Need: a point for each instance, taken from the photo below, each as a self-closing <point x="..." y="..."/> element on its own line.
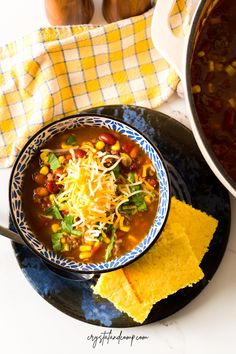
<point x="11" y="235"/>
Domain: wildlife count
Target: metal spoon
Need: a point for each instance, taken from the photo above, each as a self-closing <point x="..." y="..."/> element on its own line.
<point x="11" y="235"/>
<point x="63" y="273"/>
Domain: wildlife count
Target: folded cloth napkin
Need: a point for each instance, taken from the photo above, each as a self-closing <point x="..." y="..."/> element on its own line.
<point x="56" y="72"/>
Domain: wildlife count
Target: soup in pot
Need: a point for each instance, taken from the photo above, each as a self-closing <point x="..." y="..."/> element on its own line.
<point x="213" y="75"/>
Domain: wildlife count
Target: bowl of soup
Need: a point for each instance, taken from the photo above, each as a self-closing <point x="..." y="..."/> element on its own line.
<point x="89" y="194"/>
<point x="205" y="60"/>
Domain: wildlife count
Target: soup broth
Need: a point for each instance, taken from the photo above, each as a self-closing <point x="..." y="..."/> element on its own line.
<point x="90" y="194"/>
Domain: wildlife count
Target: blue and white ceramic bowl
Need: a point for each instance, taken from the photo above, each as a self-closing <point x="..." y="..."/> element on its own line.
<point x="15" y="193"/>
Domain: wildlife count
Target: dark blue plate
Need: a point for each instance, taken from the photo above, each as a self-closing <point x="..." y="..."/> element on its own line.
<point x="192" y="181"/>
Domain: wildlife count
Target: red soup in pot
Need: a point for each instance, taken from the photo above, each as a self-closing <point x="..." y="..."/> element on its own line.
<point x="213" y="75"/>
<point x="90" y="194"/>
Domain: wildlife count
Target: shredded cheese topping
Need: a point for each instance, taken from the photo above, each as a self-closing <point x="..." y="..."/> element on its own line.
<point x="90" y="192"/>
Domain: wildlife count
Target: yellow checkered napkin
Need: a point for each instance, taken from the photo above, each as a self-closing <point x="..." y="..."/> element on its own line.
<point x="179" y="19"/>
<point x="56" y="72"/>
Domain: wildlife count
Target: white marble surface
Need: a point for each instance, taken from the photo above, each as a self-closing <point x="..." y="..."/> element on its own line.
<point x="28" y="324"/>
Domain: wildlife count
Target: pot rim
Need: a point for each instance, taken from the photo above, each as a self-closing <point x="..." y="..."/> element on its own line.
<point x="92" y="271"/>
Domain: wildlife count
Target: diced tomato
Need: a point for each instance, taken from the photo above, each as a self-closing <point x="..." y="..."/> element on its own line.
<point x="52" y="187"/>
<point x="153" y="182"/>
<point x="96" y="248"/>
<point x="134" y="152"/>
<point x="59" y="171"/>
<point x="64" y="212"/>
<point x="79" y="153"/>
<point x="127" y="147"/>
<point x="133" y="167"/>
<point x="68" y="157"/>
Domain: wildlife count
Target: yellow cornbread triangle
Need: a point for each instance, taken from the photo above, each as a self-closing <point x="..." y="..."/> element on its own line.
<point x="199" y="226"/>
<point x="168" y="266"/>
<point x="171" y="264"/>
<point x="115" y="287"/>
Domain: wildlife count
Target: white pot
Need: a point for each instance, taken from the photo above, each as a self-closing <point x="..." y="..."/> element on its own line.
<point x="178" y="52"/>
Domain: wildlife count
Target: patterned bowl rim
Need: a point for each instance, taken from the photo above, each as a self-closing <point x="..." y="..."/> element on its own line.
<point x="111" y="267"/>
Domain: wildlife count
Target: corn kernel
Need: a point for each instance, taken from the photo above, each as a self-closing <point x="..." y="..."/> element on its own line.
<point x="63" y="240"/>
<point x="211" y="88"/>
<point x="201" y="54"/>
<point x="66" y="247"/>
<point x="219" y="66"/>
<point x="126" y="159"/>
<point x="231" y="71"/>
<point x="147" y="199"/>
<point x="151" y="171"/>
<point x="100" y="145"/>
<point x="44" y="156"/>
<point x="85" y="248"/>
<point x="232" y="102"/>
<point x="211" y="65"/>
<point x="132" y="238"/>
<point x="52" y="197"/>
<point x="44" y="170"/>
<point x="85" y="255"/>
<point x="65" y="146"/>
<point x="196" y="89"/>
<point x="88" y="145"/>
<point x="145" y="168"/>
<point x="116" y="146"/>
<point x="55" y="227"/>
<point x="61" y="159"/>
<point x="90" y="243"/>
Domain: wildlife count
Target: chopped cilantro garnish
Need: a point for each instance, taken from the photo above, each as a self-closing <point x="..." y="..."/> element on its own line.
<point x="71" y="140"/>
<point x="53" y="161"/>
<point x="111" y="245"/>
<point x="100" y="238"/>
<point x="128" y="208"/>
<point x="76" y="232"/>
<point x="138" y="200"/>
<point x="116" y="171"/>
<point x="54" y="212"/>
<point x="131" y="177"/>
<point x="66" y="226"/>
<point x="107" y="228"/>
<point x="56" y="241"/>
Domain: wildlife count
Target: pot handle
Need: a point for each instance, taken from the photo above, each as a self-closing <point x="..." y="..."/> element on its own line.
<point x="168" y="45"/>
